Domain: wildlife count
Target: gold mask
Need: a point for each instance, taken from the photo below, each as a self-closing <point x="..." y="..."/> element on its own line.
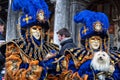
<point x="95" y="42"/>
<point x="36" y="31"/>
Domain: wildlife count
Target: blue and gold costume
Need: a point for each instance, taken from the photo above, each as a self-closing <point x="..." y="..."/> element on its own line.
<point x="81" y="58"/>
<point x="76" y="63"/>
<point x="24" y="56"/>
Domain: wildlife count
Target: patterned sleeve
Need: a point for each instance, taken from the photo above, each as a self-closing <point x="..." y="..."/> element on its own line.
<point x="19" y="67"/>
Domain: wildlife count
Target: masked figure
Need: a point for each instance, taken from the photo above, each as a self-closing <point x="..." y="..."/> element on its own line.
<point x="25" y="56"/>
<point x="95" y="39"/>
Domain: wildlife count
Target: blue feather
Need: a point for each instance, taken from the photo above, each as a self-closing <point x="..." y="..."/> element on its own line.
<point x="104" y="19"/>
<point x="88" y="18"/>
<point x="41" y="5"/>
<point x="83" y="16"/>
<point x="31" y="7"/>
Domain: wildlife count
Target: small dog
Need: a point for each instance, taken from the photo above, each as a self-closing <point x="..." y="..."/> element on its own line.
<point x="101" y="62"/>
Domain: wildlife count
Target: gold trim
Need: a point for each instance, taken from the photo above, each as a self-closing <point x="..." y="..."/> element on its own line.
<point x="21" y="50"/>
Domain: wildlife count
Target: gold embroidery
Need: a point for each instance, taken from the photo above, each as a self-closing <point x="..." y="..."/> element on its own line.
<point x="27" y="18"/>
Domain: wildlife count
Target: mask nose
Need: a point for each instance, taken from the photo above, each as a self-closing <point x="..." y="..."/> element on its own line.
<point x="37" y="30"/>
<point x="96" y="41"/>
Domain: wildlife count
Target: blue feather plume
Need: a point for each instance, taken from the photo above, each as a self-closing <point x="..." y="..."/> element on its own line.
<point x="83" y="16"/>
<point x="31" y="7"/>
<point x="88" y="18"/>
<point x="103" y="19"/>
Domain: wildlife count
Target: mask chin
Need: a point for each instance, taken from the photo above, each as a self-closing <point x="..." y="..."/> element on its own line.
<point x="36" y="35"/>
<point x="95" y="47"/>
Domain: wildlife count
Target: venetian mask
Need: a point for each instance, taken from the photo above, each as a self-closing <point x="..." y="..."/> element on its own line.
<point x="94" y="42"/>
<point x="36" y="31"/>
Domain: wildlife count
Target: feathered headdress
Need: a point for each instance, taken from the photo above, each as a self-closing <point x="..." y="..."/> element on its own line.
<point x="95" y="23"/>
<point x="35" y="12"/>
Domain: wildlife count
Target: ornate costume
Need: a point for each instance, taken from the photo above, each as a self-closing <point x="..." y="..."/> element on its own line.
<point x="95" y="38"/>
<point x="25" y="56"/>
<point x="76" y="63"/>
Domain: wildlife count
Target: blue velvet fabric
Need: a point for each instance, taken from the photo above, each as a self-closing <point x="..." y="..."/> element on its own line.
<point x="51" y="67"/>
<point x="24" y="65"/>
<point x="44" y="72"/>
<point x="38" y="42"/>
<point x="71" y="66"/>
<point x="116" y="74"/>
<point x="86" y="69"/>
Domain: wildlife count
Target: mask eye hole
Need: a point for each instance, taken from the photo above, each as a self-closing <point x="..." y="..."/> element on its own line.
<point x="40" y="29"/>
<point x="34" y="28"/>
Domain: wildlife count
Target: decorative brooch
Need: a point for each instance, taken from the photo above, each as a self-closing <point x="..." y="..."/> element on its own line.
<point x="97" y="26"/>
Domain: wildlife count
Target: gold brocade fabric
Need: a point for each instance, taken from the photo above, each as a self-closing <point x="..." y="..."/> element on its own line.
<point x="14" y="57"/>
<point x="18" y="54"/>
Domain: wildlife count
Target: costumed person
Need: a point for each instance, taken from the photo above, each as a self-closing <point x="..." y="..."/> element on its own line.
<point x="95" y="60"/>
<point x="25" y="56"/>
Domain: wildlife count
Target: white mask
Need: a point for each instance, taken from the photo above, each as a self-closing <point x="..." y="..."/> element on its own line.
<point x="36" y="31"/>
<point x="94" y="42"/>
